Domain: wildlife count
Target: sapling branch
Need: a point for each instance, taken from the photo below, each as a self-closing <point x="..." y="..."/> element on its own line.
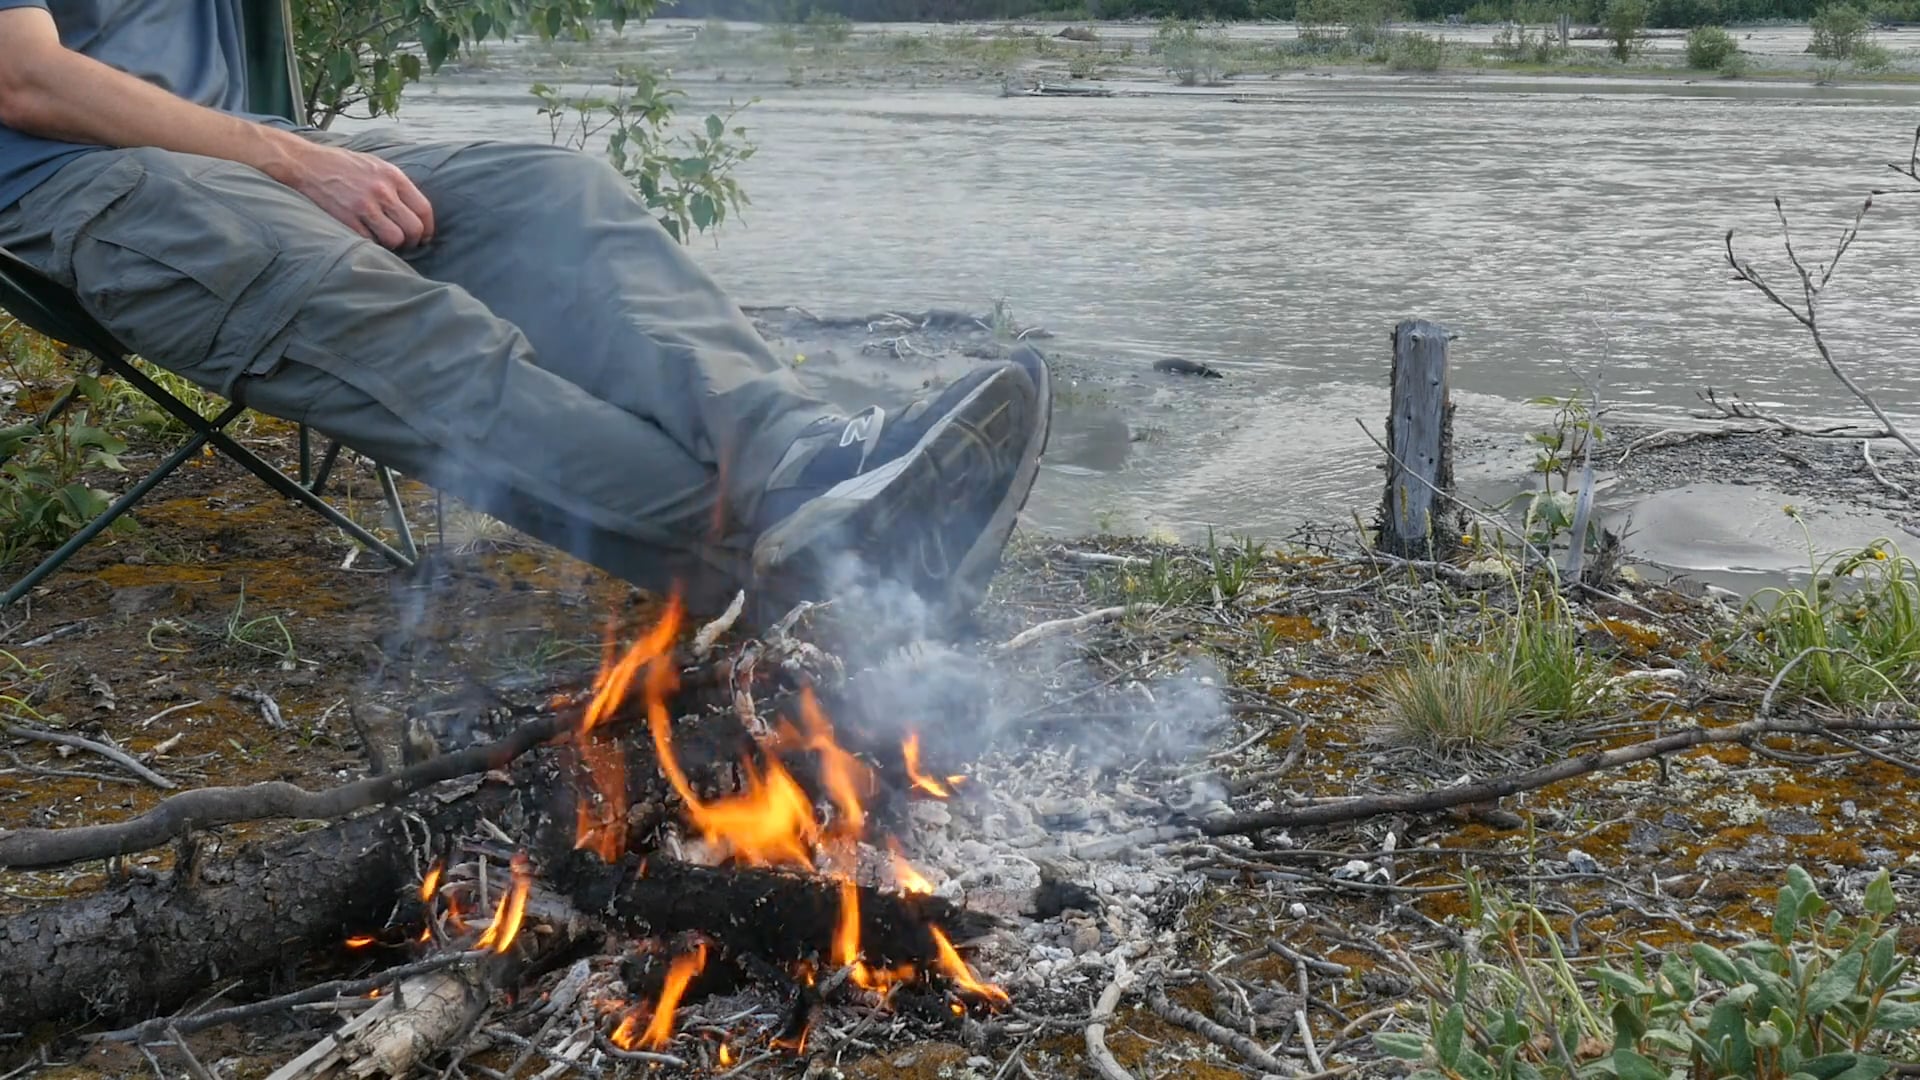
<point x="1807" y="314"/>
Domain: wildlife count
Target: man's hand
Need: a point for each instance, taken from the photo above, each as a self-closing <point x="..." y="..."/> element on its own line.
<point x="365" y="193"/>
<point x="49" y="90"/>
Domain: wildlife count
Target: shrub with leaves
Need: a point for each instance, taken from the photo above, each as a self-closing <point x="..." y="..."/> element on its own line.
<point x="1192" y="56"/>
<point x="1417" y="52"/>
<point x="44" y="496"/>
<point x="686" y="179"/>
<point x="1839" y="31"/>
<point x="1625" y="25"/>
<point x="1820" y="997"/>
<point x="1710" y="47"/>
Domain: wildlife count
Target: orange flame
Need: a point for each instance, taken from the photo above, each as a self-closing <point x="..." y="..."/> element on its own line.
<point x="846" y="947"/>
<point x="846" y="933"/>
<point x="511" y="909"/>
<point x="770" y="823"/>
<point x="844" y="775"/>
<point x="361" y="941"/>
<point x="905" y="878"/>
<point x="431" y="883"/>
<point x="962" y="975"/>
<point x="601" y="824"/>
<point x="910" y="752"/>
<point x="726" y="1055"/>
<point x="660" y="1028"/>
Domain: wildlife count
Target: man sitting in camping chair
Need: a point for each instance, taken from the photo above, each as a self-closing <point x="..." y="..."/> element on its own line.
<point x="503" y="321"/>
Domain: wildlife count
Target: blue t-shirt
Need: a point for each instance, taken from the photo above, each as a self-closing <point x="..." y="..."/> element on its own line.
<point x="190" y="47"/>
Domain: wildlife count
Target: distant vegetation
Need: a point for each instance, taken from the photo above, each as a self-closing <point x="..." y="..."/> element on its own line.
<point x="1680" y="14"/>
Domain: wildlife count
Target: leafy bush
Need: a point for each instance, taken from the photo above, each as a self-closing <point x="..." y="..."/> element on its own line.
<point x="1839" y="30"/>
<point x="686" y="180"/>
<point x="1558" y="677"/>
<point x="1523" y="45"/>
<point x="1819" y="997"/>
<point x="1416" y="52"/>
<point x="1709" y="48"/>
<point x="44" y="496"/>
<point x="1362" y="22"/>
<point x="1872" y="57"/>
<point x="1625" y="27"/>
<point x="1192" y="55"/>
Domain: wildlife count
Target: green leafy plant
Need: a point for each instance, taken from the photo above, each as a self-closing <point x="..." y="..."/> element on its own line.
<point x="1416" y="52"/>
<point x="1563" y="451"/>
<point x="1520" y="44"/>
<point x="1624" y="23"/>
<point x="686" y="178"/>
<point x="357" y="56"/>
<point x="1192" y="55"/>
<point x="1559" y="678"/>
<point x="44" y="494"/>
<point x="1839" y="31"/>
<point x="1820" y="996"/>
<point x="1851" y="635"/>
<point x="1710" y="47"/>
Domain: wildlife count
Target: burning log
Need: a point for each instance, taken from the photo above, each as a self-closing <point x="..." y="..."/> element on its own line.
<point x="773" y="914"/>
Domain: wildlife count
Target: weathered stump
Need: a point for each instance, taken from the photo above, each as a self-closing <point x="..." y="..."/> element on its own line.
<point x="1414" y="512"/>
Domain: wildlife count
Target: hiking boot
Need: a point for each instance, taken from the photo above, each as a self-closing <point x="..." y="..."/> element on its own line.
<point x="925" y="497"/>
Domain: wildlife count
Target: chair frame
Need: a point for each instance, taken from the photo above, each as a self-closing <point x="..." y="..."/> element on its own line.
<point x="44" y="306"/>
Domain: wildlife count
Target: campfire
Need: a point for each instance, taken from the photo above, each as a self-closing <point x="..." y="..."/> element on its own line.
<point x="739" y="850"/>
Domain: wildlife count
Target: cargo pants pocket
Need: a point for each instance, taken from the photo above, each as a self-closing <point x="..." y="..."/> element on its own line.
<point x="167" y="263"/>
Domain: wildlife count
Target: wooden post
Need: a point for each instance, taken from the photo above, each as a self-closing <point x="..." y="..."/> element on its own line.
<point x="1414" y="515"/>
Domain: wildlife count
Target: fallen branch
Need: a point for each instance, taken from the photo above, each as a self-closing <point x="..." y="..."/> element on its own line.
<point x="1060" y="626"/>
<point x="704" y="638"/>
<point x="205" y="808"/>
<point x="111" y="753"/>
<point x="1736" y="409"/>
<point x="1097" y="1053"/>
<point x="1419" y="802"/>
<point x="1866" y="456"/>
<point x="1251" y="1052"/>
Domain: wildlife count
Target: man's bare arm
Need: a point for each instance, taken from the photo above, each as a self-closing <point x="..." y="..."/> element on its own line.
<point x="51" y="91"/>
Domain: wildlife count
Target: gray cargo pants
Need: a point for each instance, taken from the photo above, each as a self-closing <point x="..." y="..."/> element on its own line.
<point x="552" y="357"/>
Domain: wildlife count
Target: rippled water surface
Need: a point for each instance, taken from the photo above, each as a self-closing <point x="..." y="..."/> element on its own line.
<point x="1563" y="232"/>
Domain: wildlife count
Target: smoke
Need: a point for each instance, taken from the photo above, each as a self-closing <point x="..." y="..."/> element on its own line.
<point x="906" y="673"/>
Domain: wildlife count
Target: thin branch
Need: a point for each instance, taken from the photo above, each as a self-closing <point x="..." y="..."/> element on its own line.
<point x="150" y="1029"/>
<point x="205" y="808"/>
<point x="1251" y="1052"/>
<point x="1060" y="626"/>
<point x="1809" y="318"/>
<point x="1371" y="806"/>
<point x="111" y="753"/>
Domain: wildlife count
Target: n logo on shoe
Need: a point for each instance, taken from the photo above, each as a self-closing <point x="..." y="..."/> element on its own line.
<point x="862" y="428"/>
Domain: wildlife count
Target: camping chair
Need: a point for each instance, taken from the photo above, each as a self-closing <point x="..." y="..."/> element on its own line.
<point x="39" y="303"/>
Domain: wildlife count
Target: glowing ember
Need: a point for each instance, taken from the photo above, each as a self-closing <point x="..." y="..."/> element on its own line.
<point x="430" y="884"/>
<point x="512" y="908"/>
<point x="660" y="1028"/>
<point x="726" y="1055"/>
<point x="361" y="941"/>
<point x="905" y="878"/>
<point x="962" y="975"/>
<point x="910" y="751"/>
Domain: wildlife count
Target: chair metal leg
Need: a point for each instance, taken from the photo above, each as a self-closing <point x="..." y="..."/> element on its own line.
<point x="252" y="462"/>
<point x="306" y="457"/>
<point x="398" y="510"/>
<point x="114" y="509"/>
<point x="318" y="484"/>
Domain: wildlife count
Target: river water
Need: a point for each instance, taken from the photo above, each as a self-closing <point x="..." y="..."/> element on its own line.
<point x="1569" y="232"/>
